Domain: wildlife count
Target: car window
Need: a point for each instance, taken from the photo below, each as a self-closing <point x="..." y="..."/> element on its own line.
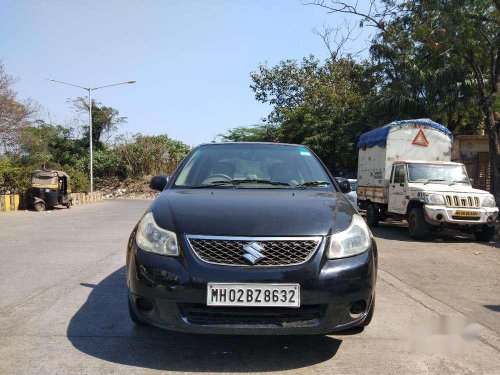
<point x="289" y="165"/>
<point x="399" y="174"/>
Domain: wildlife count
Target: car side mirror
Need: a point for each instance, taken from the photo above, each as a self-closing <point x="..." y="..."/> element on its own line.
<point x="159" y="182"/>
<point x="471" y="181"/>
<point x="344" y="185"/>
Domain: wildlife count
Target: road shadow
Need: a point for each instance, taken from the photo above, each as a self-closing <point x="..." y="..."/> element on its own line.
<point x="398" y="230"/>
<point x="495" y="308"/>
<point x="101" y="328"/>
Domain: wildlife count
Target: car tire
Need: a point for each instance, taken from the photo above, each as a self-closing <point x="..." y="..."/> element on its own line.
<point x="133" y="315"/>
<point x="369" y="316"/>
<point x="372" y="215"/>
<point x="40" y="206"/>
<point x="486" y="234"/>
<point x="417" y="225"/>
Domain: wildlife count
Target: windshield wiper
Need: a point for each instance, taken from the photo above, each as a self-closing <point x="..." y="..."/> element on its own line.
<point x="212" y="184"/>
<point x="243" y="181"/>
<point x="433" y="180"/>
<point x="458" y="182"/>
<point x="312" y="184"/>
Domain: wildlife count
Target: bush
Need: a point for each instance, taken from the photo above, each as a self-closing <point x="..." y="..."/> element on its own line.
<point x="14" y="178"/>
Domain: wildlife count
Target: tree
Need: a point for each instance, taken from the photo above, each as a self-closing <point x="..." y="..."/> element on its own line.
<point x="321" y="105"/>
<point x="14" y="114"/>
<point x="105" y="121"/>
<point x="256" y="133"/>
<point x="455" y="48"/>
<point x="469" y="31"/>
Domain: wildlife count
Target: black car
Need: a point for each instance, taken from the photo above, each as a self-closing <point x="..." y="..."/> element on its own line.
<point x="251" y="238"/>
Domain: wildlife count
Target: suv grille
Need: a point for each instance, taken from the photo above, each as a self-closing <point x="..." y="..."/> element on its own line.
<point x="462" y="201"/>
<point x="274" y="251"/>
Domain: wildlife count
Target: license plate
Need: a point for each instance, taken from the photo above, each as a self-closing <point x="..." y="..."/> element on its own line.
<point x="231" y="294"/>
<point x="467" y="213"/>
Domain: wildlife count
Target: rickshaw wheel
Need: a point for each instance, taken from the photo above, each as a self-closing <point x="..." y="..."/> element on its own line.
<point x="39" y="206"/>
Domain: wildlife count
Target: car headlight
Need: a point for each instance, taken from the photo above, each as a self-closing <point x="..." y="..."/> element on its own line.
<point x="150" y="237"/>
<point x="489" y="201"/>
<point x="434" y="199"/>
<point x="354" y="240"/>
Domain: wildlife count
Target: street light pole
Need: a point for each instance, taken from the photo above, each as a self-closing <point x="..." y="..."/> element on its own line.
<point x="91" y="143"/>
<point x="89" y="90"/>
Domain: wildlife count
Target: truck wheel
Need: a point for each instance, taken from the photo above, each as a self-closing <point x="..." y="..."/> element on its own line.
<point x="372" y="216"/>
<point x="417" y="226"/>
<point x="486" y="234"/>
<point x="39" y="206"/>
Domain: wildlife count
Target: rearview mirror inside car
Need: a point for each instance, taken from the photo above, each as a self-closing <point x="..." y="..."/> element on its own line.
<point x="159" y="182"/>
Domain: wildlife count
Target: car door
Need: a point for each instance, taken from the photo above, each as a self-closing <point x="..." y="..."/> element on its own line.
<point x="397" y="198"/>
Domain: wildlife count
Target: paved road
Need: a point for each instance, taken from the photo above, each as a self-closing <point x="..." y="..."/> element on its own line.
<point x="63" y="308"/>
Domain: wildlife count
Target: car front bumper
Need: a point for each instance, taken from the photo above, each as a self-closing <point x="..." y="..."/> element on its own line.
<point x="442" y="214"/>
<point x="176" y="290"/>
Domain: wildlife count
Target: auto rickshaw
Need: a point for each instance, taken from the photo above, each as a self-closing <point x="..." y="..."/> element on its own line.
<point x="50" y="188"/>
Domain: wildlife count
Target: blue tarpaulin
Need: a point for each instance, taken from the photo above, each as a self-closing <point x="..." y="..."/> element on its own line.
<point x="378" y="137"/>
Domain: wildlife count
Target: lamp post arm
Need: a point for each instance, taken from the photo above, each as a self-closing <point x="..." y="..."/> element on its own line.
<point x="115" y="84"/>
<point x="66" y="83"/>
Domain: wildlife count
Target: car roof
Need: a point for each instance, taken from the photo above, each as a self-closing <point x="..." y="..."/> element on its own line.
<point x="252" y="143"/>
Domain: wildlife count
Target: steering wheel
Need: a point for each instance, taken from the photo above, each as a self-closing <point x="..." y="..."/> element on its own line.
<point x="216" y="177"/>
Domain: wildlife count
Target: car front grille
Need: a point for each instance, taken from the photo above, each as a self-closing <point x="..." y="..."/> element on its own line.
<point x="465" y="201"/>
<point x="271" y="251"/>
<point x="303" y="316"/>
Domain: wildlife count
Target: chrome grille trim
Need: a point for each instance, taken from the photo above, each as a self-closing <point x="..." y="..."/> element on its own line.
<point x="462" y="201"/>
<point x="191" y="239"/>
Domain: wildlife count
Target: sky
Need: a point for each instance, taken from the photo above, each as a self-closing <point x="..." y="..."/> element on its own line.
<point x="191" y="60"/>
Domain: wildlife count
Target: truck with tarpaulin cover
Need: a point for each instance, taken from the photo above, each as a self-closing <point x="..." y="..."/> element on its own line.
<point x="405" y="172"/>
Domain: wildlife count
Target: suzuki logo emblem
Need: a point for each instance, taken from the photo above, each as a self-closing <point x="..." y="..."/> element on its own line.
<point x="253" y="252"/>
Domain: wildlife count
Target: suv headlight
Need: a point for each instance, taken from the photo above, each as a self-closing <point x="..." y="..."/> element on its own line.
<point x="489" y="201"/>
<point x="150" y="237"/>
<point x="354" y="240"/>
<point x="437" y="199"/>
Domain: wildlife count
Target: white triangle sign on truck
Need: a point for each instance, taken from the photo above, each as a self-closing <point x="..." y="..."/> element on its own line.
<point x="420" y="139"/>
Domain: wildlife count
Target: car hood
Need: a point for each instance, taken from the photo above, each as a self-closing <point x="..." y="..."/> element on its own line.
<point x="252" y="212"/>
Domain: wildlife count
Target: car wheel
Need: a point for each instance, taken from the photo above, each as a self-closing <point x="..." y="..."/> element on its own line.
<point x="133" y="315"/>
<point x="369" y="317"/>
<point x="40" y="206"/>
<point x="486" y="234"/>
<point x="372" y="216"/>
<point x="417" y="226"/>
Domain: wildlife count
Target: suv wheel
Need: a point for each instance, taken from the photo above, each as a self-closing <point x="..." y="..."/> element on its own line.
<point x="486" y="234"/>
<point x="372" y="215"/>
<point x="417" y="226"/>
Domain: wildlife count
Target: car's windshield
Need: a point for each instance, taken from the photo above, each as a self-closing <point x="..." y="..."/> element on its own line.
<point x="440" y="173"/>
<point x="253" y="166"/>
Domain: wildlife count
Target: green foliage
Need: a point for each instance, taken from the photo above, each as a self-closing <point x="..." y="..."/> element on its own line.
<point x="79" y="180"/>
<point x="146" y="155"/>
<point x="105" y="121"/>
<point x="256" y="133"/>
<point x="14" y="178"/>
<point x="323" y="106"/>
